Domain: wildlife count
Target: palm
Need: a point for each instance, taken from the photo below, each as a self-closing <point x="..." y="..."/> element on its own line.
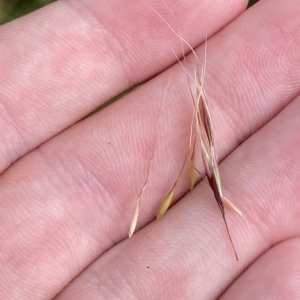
<point x="66" y="206"/>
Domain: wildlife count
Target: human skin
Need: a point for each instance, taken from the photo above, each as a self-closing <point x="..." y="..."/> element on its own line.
<point x="68" y="188"/>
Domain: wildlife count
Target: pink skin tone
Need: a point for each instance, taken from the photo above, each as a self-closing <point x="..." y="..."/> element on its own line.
<point x="67" y="191"/>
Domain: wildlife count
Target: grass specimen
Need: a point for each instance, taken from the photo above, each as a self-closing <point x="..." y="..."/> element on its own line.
<point x="202" y="133"/>
<point x="204" y="130"/>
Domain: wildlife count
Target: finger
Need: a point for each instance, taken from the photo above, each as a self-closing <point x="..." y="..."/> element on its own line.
<point x="275" y="275"/>
<point x="95" y="174"/>
<point x="68" y="58"/>
<point x="187" y="255"/>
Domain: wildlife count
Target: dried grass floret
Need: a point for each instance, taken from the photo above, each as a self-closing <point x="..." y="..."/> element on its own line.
<point x="168" y="200"/>
<point x="209" y="157"/>
<point x="140" y="195"/>
<point x="138" y="201"/>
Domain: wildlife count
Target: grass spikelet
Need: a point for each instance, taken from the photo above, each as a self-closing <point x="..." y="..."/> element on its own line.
<point x="168" y="200"/>
<point x="204" y="131"/>
<point x="166" y="203"/>
<point x="135" y="217"/>
<point x="231" y="205"/>
<point x="140" y="195"/>
<point x="209" y="157"/>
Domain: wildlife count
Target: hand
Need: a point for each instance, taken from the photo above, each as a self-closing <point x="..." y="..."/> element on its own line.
<point x="68" y="188"/>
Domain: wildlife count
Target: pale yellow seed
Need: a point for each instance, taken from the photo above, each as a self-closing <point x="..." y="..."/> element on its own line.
<point x="134" y="219"/>
<point x="231" y="205"/>
<point x="166" y="204"/>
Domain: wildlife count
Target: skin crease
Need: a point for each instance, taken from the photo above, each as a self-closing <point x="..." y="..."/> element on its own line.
<point x="66" y="201"/>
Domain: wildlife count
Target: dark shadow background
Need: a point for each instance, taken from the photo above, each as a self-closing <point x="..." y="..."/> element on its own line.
<point x="12" y="9"/>
<point x="251" y="2"/>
